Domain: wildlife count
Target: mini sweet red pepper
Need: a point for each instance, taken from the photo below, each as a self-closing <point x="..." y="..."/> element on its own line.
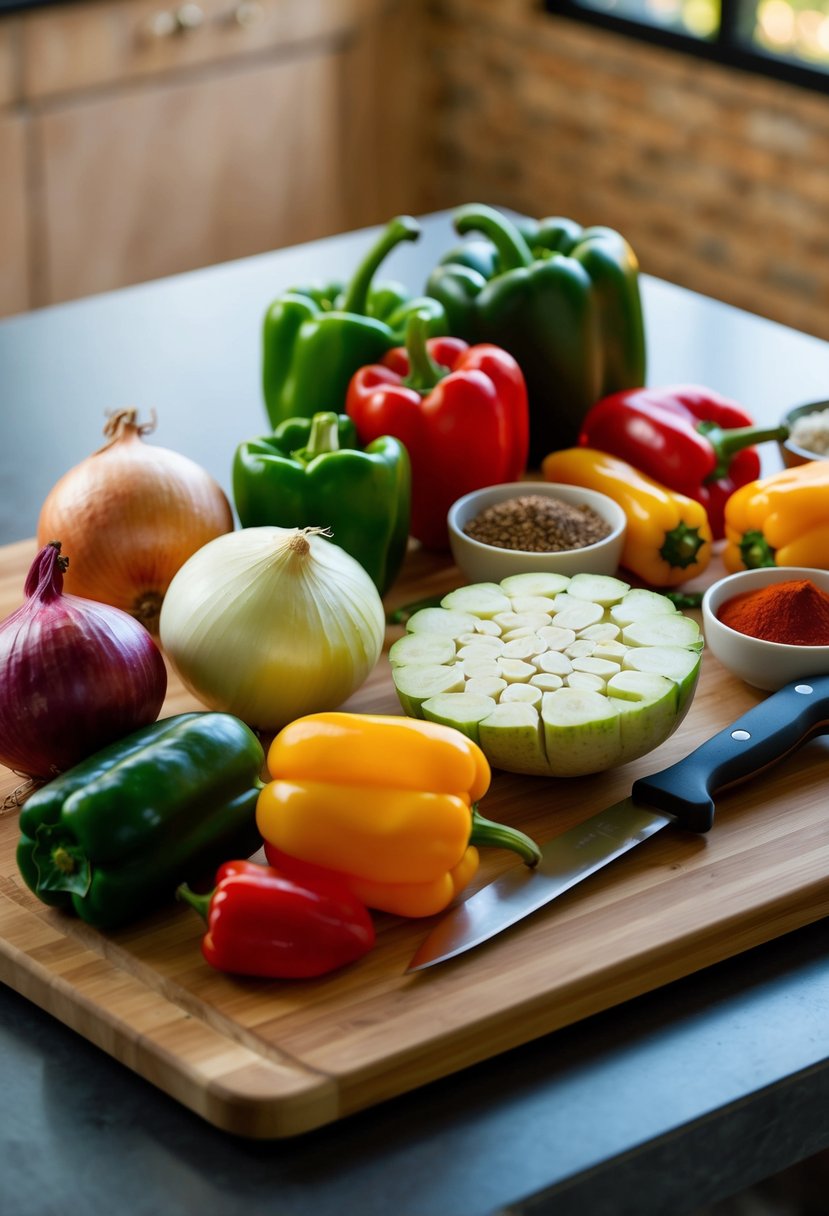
<point x="461" y="412"/>
<point x="686" y="437"/>
<point x="261" y="922"/>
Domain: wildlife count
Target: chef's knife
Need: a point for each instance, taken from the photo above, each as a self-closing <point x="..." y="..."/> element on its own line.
<point x="679" y="794"/>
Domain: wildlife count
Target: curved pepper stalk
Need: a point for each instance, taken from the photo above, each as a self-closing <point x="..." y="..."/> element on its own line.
<point x="460" y="411"/>
<point x="315" y="338"/>
<point x="563" y="300"/>
<point x="686" y="437"/>
<point x="312" y="472"/>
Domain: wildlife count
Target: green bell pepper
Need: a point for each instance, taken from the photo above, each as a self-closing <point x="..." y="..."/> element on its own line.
<point x="311" y="472"/>
<point x="316" y="338"/>
<point x="112" y="838"/>
<point x="563" y="300"/>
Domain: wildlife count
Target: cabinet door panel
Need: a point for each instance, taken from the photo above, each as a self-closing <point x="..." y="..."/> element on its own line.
<point x="79" y="46"/>
<point x="14" y="234"/>
<point x="166" y="178"/>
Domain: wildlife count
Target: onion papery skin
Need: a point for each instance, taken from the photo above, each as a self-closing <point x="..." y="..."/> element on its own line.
<point x="75" y="675"/>
<point x="129" y="516"/>
<point x="254" y="629"/>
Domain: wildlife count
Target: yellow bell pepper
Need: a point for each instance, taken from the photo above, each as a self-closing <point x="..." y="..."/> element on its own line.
<point x="668" y="537"/>
<point x="780" y="520"/>
<point x="386" y="802"/>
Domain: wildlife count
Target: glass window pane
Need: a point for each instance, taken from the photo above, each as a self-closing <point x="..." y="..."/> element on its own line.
<point x="796" y="30"/>
<point x="696" y="18"/>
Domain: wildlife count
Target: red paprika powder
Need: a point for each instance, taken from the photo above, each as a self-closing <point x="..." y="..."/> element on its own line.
<point x="795" y="612"/>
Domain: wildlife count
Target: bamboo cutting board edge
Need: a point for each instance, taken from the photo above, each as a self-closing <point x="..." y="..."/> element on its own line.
<point x="279" y="1061"/>
<point x="231" y="1086"/>
<point x="241" y="1091"/>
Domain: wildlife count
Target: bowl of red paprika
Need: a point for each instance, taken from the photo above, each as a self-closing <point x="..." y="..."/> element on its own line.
<point x="769" y="626"/>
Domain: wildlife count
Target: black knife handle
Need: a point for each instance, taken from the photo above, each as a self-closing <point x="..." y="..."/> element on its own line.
<point x="764" y="735"/>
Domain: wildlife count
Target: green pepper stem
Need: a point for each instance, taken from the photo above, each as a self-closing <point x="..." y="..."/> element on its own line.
<point x="681" y="546"/>
<point x="756" y="551"/>
<point x="401" y="228"/>
<point x="324" y="437"/>
<point x="401" y="614"/>
<point x="684" y="599"/>
<point x="499" y="836"/>
<point x="200" y="902"/>
<point x="727" y="441"/>
<point x="424" y="372"/>
<point x="513" y="251"/>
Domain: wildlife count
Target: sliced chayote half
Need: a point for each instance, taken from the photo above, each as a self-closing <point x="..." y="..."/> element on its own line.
<point x="551" y="675"/>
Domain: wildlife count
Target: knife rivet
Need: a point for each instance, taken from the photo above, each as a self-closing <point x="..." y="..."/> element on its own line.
<point x="740" y="735"/>
<point x="804" y="688"/>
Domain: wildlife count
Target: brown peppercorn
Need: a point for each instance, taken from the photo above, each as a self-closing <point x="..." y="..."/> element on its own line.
<point x="536" y="523"/>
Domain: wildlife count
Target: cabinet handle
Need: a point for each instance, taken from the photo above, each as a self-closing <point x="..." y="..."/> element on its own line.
<point x="167" y="22"/>
<point x="248" y="13"/>
<point x="161" y="25"/>
<point x="189" y="17"/>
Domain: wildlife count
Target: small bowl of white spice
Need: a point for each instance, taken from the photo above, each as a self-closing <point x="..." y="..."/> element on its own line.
<point x="525" y="526"/>
<point x="808" y="434"/>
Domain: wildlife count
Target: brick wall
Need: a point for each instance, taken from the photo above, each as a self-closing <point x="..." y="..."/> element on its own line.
<point x="719" y="179"/>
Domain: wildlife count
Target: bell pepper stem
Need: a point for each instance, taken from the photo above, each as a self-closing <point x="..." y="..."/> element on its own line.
<point x="684" y="599"/>
<point x="500" y="836"/>
<point x="200" y="902"/>
<point x="513" y="251"/>
<point x="424" y="372"/>
<point x="401" y="614"/>
<point x="60" y="862"/>
<point x="681" y="546"/>
<point x="324" y="437"/>
<point x="401" y="228"/>
<point x="727" y="441"/>
<point x="756" y="551"/>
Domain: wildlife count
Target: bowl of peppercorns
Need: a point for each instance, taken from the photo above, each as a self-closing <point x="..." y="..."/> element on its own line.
<point x="523" y="526"/>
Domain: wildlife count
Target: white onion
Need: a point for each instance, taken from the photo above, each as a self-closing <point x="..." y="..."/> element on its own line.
<point x="272" y="623"/>
<point x="75" y="675"/>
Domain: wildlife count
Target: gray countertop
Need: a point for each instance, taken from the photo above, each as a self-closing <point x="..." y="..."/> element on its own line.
<point x="661" y="1104"/>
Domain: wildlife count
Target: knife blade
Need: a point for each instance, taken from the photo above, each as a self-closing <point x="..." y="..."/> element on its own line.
<point x="681" y="793"/>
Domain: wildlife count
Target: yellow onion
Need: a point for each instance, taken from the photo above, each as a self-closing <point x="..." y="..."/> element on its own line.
<point x="272" y="623"/>
<point x="130" y="515"/>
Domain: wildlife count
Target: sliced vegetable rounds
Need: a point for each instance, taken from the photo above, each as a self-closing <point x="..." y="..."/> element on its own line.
<point x="550" y="675"/>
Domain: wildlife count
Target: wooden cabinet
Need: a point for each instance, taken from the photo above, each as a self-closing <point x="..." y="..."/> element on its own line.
<point x="15" y="293"/>
<point x="140" y="140"/>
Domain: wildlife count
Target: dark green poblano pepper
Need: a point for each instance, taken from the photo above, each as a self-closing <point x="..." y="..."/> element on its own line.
<point x="112" y="838"/>
<point x="563" y="300"/>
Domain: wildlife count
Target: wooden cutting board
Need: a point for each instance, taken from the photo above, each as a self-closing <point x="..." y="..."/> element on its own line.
<point x="273" y="1059"/>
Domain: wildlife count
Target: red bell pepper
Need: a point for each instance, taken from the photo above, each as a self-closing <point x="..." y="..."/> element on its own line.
<point x="686" y="437"/>
<point x="461" y="411"/>
<point x="260" y="922"/>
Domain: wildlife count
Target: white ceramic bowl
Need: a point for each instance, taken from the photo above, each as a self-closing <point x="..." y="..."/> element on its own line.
<point x="483" y="563"/>
<point x="766" y="665"/>
<point x="789" y="450"/>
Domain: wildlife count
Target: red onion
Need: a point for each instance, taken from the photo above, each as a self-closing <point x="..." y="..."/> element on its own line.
<point x="75" y="675"/>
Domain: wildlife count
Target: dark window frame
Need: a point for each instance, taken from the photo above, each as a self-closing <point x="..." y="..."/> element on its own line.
<point x="725" y="47"/>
